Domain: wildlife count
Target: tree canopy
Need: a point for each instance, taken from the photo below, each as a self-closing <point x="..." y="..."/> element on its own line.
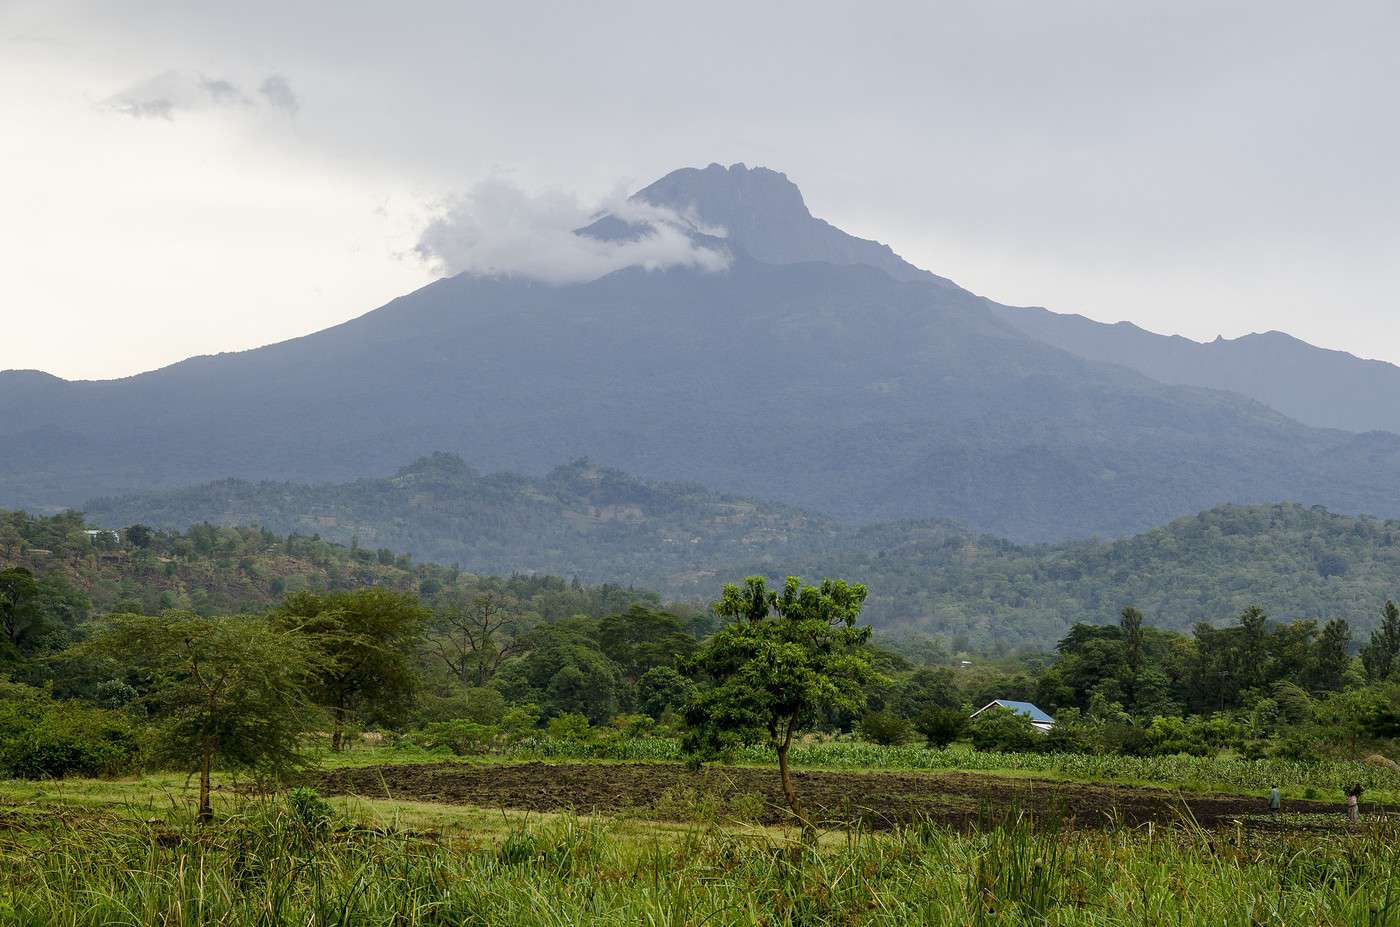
<point x="784" y="658"/>
<point x="227" y="692"/>
<point x="364" y="638"/>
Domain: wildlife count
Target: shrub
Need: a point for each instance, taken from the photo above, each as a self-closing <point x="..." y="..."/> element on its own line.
<point x="1073" y="734"/>
<point x="478" y="705"/>
<point x="520" y="722"/>
<point x="1167" y="736"/>
<point x="633" y="727"/>
<point x="461" y="737"/>
<point x="1297" y="744"/>
<point x="570" y="726"/>
<point x="310" y="810"/>
<point x="1002" y="729"/>
<point x="44" y="739"/>
<point x="941" y="726"/>
<point x="1123" y="739"/>
<point x="885" y="728"/>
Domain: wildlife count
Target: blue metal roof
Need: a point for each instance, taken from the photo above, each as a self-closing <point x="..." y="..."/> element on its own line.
<point x="1025" y="708"/>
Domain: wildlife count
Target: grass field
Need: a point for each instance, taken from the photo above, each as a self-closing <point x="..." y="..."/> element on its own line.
<point x="273" y="862"/>
<point x="127" y="852"/>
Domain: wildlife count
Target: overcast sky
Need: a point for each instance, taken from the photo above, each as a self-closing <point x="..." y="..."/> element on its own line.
<point x="182" y="177"/>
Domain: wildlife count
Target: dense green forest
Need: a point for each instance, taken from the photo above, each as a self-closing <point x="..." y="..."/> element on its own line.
<point x="81" y="573"/>
<point x="111" y="640"/>
<point x="930" y="576"/>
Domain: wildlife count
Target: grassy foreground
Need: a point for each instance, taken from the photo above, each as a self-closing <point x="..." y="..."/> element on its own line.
<point x="285" y="862"/>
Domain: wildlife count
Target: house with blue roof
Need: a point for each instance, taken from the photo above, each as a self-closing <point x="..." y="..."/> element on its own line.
<point x="1040" y="719"/>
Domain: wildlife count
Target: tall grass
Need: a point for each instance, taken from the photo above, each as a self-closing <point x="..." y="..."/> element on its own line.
<point x="271" y="866"/>
<point x="1326" y="776"/>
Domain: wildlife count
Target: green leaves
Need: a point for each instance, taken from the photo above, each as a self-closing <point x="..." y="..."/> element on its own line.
<point x="785" y="658"/>
<point x="232" y="688"/>
<point x="363" y="638"/>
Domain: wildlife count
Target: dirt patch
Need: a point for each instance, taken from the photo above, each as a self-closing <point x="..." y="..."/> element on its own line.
<point x="875" y="800"/>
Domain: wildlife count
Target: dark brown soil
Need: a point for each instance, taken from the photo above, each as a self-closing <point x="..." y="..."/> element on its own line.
<point x="875" y="800"/>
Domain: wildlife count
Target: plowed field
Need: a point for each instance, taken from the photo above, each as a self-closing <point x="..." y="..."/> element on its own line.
<point x="875" y="800"/>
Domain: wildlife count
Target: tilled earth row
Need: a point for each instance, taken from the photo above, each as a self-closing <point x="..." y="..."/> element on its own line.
<point x="874" y="800"/>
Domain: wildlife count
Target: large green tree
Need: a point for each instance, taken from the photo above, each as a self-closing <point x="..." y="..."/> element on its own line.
<point x="784" y="658"/>
<point x="642" y="638"/>
<point x="366" y="639"/>
<point x="227" y="692"/>
<point x="19" y="617"/>
<point x="564" y="672"/>
<point x="1327" y="666"/>
<point x="1381" y="655"/>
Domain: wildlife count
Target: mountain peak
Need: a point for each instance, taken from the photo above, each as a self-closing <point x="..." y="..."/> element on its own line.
<point x="745" y="198"/>
<point x="763" y="214"/>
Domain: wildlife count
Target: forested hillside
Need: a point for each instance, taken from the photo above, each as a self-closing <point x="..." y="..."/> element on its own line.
<point x="1291" y="560"/>
<point x="581" y="519"/>
<point x="220" y="570"/>
<point x="935" y="576"/>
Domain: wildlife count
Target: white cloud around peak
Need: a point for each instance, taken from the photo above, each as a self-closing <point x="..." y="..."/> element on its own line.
<point x="497" y="229"/>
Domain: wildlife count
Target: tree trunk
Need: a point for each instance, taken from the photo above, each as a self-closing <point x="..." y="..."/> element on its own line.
<point x="206" y="807"/>
<point x="787" y="781"/>
<point x="338" y="730"/>
<point x="788" y="791"/>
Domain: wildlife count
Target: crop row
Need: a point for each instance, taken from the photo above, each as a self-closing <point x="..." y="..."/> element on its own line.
<point x="1323" y="776"/>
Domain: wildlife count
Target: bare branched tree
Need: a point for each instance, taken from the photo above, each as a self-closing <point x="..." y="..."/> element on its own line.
<point x="474" y="639"/>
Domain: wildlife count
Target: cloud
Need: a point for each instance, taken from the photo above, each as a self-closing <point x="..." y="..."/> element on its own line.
<point x="496" y="229"/>
<point x="174" y="92"/>
<point x="279" y="94"/>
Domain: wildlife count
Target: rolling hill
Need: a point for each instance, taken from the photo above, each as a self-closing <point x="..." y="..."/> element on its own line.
<point x="683" y="541"/>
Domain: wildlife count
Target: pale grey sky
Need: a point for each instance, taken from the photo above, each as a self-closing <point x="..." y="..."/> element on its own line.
<point x="179" y="177"/>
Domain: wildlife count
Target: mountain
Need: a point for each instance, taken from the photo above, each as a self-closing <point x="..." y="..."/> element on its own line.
<point x="831" y="376"/>
<point x="764" y="213"/>
<point x="598" y="524"/>
<point x="1328" y="389"/>
<point x="1316" y="386"/>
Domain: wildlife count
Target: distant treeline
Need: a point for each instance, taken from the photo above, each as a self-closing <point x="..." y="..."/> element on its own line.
<point x="933" y="576"/>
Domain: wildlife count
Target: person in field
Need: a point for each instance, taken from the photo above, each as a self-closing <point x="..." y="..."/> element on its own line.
<point x="1353" y="803"/>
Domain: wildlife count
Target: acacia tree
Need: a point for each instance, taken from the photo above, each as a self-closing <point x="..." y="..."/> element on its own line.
<point x="364" y="638"/>
<point x="227" y="692"/>
<point x="782" y="660"/>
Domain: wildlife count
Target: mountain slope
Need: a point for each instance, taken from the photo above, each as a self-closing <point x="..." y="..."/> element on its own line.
<point x="1330" y="389"/>
<point x="602" y="525"/>
<point x="1316" y="386"/>
<point x="812" y="381"/>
